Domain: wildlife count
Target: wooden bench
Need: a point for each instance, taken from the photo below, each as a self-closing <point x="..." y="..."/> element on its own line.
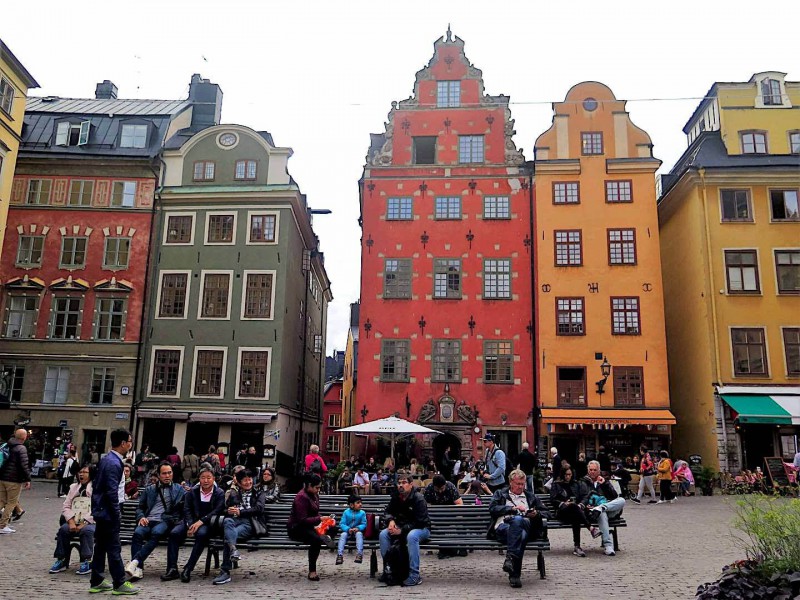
<point x="554" y="523"/>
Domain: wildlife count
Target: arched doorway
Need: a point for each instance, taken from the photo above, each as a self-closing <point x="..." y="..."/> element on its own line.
<point x="440" y="444"/>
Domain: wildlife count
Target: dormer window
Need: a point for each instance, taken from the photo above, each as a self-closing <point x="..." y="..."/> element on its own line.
<point x="771" y="92"/>
<point x="754" y="142"/>
<point x="72" y="134"/>
<point x="133" y="136"/>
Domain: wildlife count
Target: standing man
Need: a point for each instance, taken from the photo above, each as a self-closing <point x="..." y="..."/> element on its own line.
<point x="107" y="495"/>
<point x="526" y="464"/>
<point x="556" y="457"/>
<point x="15" y="475"/>
<point x="604" y="502"/>
<point x="495" y="461"/>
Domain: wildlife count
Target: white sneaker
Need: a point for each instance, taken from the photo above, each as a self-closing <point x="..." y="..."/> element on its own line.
<point x="672" y="501"/>
<point x="132" y="569"/>
<point x="7" y="529"/>
<point x="609" y="551"/>
<point x="661" y="502"/>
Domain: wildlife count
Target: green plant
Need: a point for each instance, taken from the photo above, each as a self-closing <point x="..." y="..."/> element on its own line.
<point x="771" y="528"/>
<point x="704" y="480"/>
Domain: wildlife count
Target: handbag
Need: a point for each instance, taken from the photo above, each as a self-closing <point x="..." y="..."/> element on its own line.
<point x="371" y="532"/>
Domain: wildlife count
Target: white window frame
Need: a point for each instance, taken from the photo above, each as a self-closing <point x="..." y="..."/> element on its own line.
<point x="64" y="133"/>
<point x="247" y="272"/>
<point x="177" y="393"/>
<point x="221" y="213"/>
<point x="203" y="273"/>
<point x="133" y="137"/>
<point x="7" y="95"/>
<point x="7" y="316"/>
<point x="161" y="274"/>
<point x="125" y="184"/>
<point x="62" y="376"/>
<point x="82" y="183"/>
<point x="224" y="350"/>
<point x="259" y="213"/>
<point x="105" y="371"/>
<point x="165" y="241"/>
<point x="108" y="266"/>
<point x="759" y="273"/>
<point x="268" y="350"/>
<point x="27" y="264"/>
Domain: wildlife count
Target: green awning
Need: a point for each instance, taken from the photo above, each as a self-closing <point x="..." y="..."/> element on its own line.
<point x="753" y="408"/>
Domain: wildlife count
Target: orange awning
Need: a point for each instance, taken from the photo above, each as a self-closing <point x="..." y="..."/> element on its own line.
<point x="608" y="416"/>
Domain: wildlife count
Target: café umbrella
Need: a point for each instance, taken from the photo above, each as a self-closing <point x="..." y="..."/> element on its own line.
<point x="391" y="427"/>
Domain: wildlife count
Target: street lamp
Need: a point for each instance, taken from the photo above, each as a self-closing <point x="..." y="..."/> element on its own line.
<point x="605" y="371"/>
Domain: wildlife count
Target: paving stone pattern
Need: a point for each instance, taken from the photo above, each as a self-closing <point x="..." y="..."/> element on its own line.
<point x="667" y="550"/>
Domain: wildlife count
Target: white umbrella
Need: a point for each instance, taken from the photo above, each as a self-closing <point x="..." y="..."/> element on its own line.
<point x="391" y="426"/>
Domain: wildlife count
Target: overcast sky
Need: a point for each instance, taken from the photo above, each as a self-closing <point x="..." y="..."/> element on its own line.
<point x="321" y="76"/>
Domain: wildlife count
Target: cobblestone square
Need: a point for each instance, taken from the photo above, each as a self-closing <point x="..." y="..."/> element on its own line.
<point x="666" y="551"/>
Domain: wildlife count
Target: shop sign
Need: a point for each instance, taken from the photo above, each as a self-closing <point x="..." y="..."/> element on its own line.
<point x="62" y="423"/>
<point x="121" y="416"/>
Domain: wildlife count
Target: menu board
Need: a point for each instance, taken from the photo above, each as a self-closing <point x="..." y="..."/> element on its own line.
<point x="776" y="470"/>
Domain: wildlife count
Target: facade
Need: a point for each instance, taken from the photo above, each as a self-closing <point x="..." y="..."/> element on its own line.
<point x="445" y="332"/>
<point x="730" y="247"/>
<point x="602" y="357"/>
<point x="15" y="81"/>
<point x="74" y="261"/>
<point x="330" y="442"/>
<point x="350" y="381"/>
<point x="234" y="350"/>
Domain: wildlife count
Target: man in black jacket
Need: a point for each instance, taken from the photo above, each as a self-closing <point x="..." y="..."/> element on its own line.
<point x="15" y="475"/>
<point x="517" y="516"/>
<point x="200" y="505"/>
<point x="603" y="502"/>
<point x="407" y="518"/>
<point x="526" y="462"/>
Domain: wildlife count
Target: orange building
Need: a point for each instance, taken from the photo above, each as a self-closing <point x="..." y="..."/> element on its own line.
<point x="601" y="347"/>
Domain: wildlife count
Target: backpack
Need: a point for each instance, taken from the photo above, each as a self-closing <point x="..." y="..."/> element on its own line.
<point x="316" y="466"/>
<point x="396" y="567"/>
<point x="5" y="453"/>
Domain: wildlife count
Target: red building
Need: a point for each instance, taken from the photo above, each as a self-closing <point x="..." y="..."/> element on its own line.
<point x="445" y="324"/>
<point x="330" y="442"/>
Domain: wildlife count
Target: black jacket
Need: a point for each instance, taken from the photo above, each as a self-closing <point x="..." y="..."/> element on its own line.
<point x="256" y="511"/>
<point x="498" y="507"/>
<point x="408" y="514"/>
<point x="561" y="491"/>
<point x="526" y="461"/>
<point x="603" y="489"/>
<point x="16" y="468"/>
<point x="192" y="505"/>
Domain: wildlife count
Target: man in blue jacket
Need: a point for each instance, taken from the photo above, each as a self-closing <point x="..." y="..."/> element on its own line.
<point x="160" y="509"/>
<point x="495" y="460"/>
<point x="107" y="495"/>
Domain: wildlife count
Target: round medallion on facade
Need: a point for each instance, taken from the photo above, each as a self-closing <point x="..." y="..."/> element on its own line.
<point x="227" y="140"/>
<point x="590" y="104"/>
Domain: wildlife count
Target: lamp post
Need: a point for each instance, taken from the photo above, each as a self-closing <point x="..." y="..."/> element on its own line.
<point x="605" y="371"/>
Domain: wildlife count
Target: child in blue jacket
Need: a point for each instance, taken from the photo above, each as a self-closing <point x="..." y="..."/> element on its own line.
<point x="353" y="522"/>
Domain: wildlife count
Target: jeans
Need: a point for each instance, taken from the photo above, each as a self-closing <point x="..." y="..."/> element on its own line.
<point x="85" y="535"/>
<point x="235" y="529"/>
<point x="414" y="539"/>
<point x="9" y="498"/>
<point x="613" y="508"/>
<point x="646" y="480"/>
<point x="359" y="541"/>
<point x="154" y="531"/>
<point x="176" y="538"/>
<point x="529" y="483"/>
<point x="515" y="535"/>
<point x="573" y="514"/>
<point x="106" y="542"/>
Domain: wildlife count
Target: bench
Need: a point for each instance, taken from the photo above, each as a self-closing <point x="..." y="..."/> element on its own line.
<point x="554" y="523"/>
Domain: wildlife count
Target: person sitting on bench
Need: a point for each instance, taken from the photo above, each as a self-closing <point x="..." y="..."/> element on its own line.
<point x="77" y="516"/>
<point x="603" y="501"/>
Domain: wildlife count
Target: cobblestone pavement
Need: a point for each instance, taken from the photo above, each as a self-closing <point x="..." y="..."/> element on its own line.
<point x="667" y="550"/>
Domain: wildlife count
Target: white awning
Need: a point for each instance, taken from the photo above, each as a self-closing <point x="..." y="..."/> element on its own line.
<point x="155" y="413"/>
<point x="231" y="417"/>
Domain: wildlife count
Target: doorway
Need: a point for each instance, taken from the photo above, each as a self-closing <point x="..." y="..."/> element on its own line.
<point x="757" y="443"/>
<point x="251" y="434"/>
<point x="158" y="434"/>
<point x="200" y="436"/>
<point x="568" y="448"/>
<point x="510" y="442"/>
<point x="440" y="444"/>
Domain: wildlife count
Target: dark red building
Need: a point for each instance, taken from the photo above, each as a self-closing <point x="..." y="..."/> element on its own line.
<point x="331" y="442"/>
<point x="446" y="310"/>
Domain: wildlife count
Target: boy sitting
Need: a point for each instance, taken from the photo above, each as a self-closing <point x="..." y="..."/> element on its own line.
<point x="353" y="522"/>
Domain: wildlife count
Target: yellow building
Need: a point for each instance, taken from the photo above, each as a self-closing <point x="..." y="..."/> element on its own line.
<point x="15" y="81"/>
<point x="349" y="380"/>
<point x="730" y="249"/>
<point x="602" y="356"/>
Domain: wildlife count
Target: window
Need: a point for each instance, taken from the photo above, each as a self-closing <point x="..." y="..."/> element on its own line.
<point x="784" y="205"/>
<point x="123" y="193"/>
<point x="395" y="356"/>
<point x="6" y="95"/>
<point x="447" y="278"/>
<point x="470" y="148"/>
<point x="102" y="385"/>
<point x="591" y="143"/>
<point x="787" y="266"/>
<point x="569" y="316"/>
<point x="180" y="229"/>
<point x="566" y="193"/>
<point x="172" y="295"/>
<point x="791" y="348"/>
<point x="166" y="372"/>
<point x="253" y="369"/>
<point x="448" y="94"/>
<point x="794" y="142"/>
<point x="262" y="228"/>
<point x="317" y="343"/>
<point x="399" y="209"/>
<point x="39" y="191"/>
<point x="66" y="322"/>
<point x="771" y="92"/>
<point x="208" y="373"/>
<point x="214" y="298"/>
<point x="220" y="229"/>
<point x="56" y="384"/>
<point x="133" y="136"/>
<point x="203" y="170"/>
<point x="571" y="386"/>
<point x="568" y="250"/>
<point x="741" y="271"/>
<point x="73" y="252"/>
<point x="116" y="253"/>
<point x="496" y="207"/>
<point x="446" y="361"/>
<point x="628" y="386"/>
<point x="625" y="316"/>
<point x="29" y="250"/>
<point x="754" y="142"/>
<point x="334" y="420"/>
<point x="397" y="278"/>
<point x="245" y="169"/>
<point x="21" y="317"/>
<point x="80" y="192"/>
<point x="16" y="380"/>
<point x="258" y="296"/>
<point x="110" y="318"/>
<point x="424" y="150"/>
<point x="498" y="362"/>
<point x="736" y="205"/>
<point x="619" y="191"/>
<point x="622" y="246"/>
<point x="749" y="351"/>
<point x="447" y="207"/>
<point x="496" y="278"/>
<point x="333" y="443"/>
<point x="72" y="134"/>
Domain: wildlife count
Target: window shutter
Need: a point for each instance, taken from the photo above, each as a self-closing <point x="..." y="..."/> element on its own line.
<point x="62" y="134"/>
<point x="83" y="139"/>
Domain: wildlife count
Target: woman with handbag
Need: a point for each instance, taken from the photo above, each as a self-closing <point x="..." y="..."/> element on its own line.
<point x="565" y="495"/>
<point x="303" y="520"/>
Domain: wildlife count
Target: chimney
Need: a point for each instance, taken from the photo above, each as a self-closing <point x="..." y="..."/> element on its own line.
<point x="206" y="99"/>
<point x="105" y="91"/>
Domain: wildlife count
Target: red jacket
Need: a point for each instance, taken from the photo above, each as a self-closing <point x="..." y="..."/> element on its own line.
<point x="310" y="459"/>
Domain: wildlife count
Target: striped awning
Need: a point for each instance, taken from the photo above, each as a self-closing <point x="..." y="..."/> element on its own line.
<point x="757" y="406"/>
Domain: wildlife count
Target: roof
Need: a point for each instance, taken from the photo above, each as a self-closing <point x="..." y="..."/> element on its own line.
<point x="13" y="61"/>
<point x="177" y="141"/>
<point x="105" y="106"/>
